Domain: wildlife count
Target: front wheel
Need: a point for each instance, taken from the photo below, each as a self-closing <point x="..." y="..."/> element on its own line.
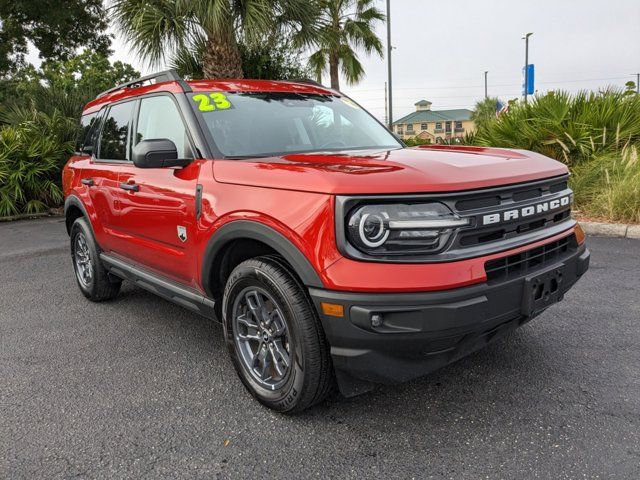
<point x="274" y="336"/>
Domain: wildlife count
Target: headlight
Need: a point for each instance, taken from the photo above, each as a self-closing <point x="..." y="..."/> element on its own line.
<point x="401" y="229"/>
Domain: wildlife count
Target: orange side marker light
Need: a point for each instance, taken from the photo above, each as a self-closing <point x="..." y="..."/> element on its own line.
<point x="332" y="309"/>
<point x="580" y="236"/>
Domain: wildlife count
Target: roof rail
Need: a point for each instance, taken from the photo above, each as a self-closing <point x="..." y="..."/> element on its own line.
<point x="165" y="76"/>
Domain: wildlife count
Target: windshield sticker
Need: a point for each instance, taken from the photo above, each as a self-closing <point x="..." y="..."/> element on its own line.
<point x="220" y="102"/>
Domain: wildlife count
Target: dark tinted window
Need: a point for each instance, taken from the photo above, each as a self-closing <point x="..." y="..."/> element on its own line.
<point x="87" y="123"/>
<point x="114" y="143"/>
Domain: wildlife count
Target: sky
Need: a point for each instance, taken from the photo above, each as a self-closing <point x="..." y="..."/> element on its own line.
<point x="442" y="49"/>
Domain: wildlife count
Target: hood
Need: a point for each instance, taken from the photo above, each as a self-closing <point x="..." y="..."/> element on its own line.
<point x="407" y="170"/>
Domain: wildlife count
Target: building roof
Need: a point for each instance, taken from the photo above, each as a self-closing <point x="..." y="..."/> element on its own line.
<point x="425" y="116"/>
<point x="423" y="103"/>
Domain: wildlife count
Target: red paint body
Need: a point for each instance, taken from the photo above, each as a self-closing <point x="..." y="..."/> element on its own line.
<point x="293" y="194"/>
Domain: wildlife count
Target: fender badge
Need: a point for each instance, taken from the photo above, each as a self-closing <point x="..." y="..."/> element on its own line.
<point x="182" y="233"/>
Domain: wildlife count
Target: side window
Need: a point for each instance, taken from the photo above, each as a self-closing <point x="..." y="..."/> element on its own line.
<point x="159" y="117"/>
<point x="86" y="125"/>
<point x="114" y="139"/>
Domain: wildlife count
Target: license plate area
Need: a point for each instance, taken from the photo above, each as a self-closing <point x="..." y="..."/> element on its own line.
<point x="542" y="289"/>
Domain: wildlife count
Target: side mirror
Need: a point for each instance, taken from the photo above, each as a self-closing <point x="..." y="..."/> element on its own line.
<point x="157" y="153"/>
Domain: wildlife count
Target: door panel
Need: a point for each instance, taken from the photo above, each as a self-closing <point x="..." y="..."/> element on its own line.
<point x="157" y="216"/>
<point x="103" y="194"/>
<point x="150" y="217"/>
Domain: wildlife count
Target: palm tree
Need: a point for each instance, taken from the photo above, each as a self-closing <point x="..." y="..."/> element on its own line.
<point x="158" y="29"/>
<point x="345" y="25"/>
<point x="485" y="110"/>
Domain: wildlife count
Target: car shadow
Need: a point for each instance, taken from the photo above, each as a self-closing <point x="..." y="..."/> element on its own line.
<point x="511" y="370"/>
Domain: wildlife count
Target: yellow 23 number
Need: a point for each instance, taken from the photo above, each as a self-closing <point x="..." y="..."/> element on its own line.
<point x="220" y="102"/>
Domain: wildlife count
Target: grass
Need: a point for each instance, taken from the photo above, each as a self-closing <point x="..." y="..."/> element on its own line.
<point x="607" y="186"/>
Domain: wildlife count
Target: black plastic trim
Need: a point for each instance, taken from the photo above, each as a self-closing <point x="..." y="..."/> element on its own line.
<point x="165" y="288"/>
<point x="244" y="229"/>
<point x="198" y="201"/>
<point x="416" y="333"/>
<point x="73" y="200"/>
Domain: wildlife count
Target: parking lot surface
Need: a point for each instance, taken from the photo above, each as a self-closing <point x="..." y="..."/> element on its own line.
<point x="141" y="388"/>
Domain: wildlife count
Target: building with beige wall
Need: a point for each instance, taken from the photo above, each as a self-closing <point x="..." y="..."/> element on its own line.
<point x="435" y="126"/>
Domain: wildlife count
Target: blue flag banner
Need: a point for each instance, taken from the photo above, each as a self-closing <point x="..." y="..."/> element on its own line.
<point x="530" y="80"/>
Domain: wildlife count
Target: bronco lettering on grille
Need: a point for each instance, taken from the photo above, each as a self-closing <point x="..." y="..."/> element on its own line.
<point x="527" y="211"/>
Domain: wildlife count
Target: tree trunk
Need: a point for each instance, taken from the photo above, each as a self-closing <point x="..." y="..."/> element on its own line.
<point x="222" y="59"/>
<point x="333" y="70"/>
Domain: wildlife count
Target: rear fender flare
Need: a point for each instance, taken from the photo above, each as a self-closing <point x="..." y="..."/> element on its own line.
<point x="74" y="201"/>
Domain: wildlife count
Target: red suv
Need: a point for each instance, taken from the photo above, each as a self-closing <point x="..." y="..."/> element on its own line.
<point x="330" y="251"/>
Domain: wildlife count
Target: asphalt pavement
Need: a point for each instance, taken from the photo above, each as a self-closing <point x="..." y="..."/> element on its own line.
<point x="141" y="388"/>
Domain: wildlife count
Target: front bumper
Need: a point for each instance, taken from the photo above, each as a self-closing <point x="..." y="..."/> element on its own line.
<point x="421" y="332"/>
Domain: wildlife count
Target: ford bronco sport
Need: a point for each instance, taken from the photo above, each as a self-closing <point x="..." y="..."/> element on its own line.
<point x="331" y="253"/>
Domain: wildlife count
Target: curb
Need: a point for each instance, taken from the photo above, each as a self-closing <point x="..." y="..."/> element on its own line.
<point x="619" y="230"/>
<point x="31" y="216"/>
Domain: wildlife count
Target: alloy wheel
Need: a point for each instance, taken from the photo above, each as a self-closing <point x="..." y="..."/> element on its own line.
<point x="261" y="336"/>
<point x="82" y="259"/>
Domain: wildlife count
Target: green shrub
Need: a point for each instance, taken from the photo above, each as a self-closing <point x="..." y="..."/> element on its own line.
<point x="31" y="158"/>
<point x="608" y="186"/>
<point x="415" y="141"/>
<point x="569" y="128"/>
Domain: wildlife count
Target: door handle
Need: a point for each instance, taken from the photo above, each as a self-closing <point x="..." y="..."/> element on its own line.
<point x="88" y="182"/>
<point x="132" y="187"/>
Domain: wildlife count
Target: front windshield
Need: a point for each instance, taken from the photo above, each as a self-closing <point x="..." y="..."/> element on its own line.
<point x="267" y="123"/>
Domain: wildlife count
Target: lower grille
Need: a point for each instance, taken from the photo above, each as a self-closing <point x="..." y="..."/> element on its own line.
<point x="529" y="260"/>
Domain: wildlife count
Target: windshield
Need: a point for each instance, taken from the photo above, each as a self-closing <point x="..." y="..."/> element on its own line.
<point x="264" y="124"/>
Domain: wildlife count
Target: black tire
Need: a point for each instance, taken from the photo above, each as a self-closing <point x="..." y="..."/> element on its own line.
<point x="309" y="378"/>
<point x="94" y="281"/>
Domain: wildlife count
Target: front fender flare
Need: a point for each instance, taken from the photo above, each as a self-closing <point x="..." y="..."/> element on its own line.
<point x="246" y="229"/>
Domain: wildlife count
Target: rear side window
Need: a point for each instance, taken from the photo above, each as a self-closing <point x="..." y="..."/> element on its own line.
<point x="114" y="141"/>
<point x="159" y="117"/>
<point x="87" y="127"/>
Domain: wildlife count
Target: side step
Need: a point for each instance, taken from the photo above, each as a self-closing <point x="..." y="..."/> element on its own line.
<point x="163" y="287"/>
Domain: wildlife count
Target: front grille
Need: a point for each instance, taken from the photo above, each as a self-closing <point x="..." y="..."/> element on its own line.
<point x="524" y="262"/>
<point x="519" y="194"/>
<point x="497" y="233"/>
<point x="476" y="205"/>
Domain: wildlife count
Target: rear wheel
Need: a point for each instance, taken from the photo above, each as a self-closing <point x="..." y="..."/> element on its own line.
<point x="274" y="336"/>
<point x="92" y="278"/>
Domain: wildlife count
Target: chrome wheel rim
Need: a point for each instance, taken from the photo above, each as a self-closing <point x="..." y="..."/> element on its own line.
<point x="261" y="337"/>
<point x="82" y="260"/>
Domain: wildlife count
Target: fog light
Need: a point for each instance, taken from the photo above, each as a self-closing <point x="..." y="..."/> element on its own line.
<point x="376" y="320"/>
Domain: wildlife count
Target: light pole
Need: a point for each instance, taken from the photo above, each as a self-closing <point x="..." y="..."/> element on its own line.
<point x="526" y="64"/>
<point x="637" y="82"/>
<point x="389" y="65"/>
<point x="485" y="84"/>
